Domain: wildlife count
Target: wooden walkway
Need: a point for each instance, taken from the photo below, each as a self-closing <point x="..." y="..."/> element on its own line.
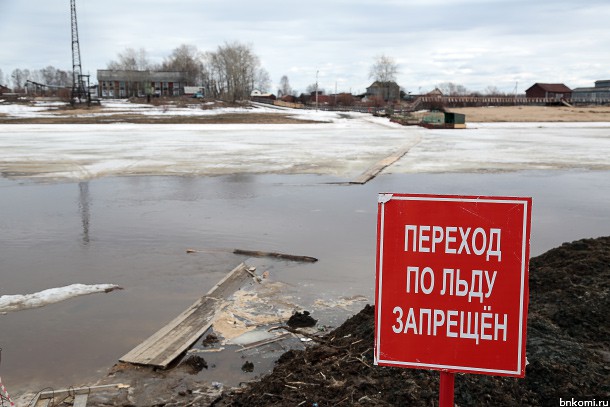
<point x="177" y="336"/>
<point x="379" y="166"/>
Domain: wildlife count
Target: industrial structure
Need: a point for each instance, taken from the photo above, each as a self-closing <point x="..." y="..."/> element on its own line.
<point x="126" y="83"/>
<point x="598" y="94"/>
<point x="80" y="82"/>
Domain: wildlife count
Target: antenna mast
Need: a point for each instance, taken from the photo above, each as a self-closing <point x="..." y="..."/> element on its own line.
<point x="79" y="90"/>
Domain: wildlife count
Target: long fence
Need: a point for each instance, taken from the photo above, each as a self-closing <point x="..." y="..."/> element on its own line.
<point x="427" y="102"/>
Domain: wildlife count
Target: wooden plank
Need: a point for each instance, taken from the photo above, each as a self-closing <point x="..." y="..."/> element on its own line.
<point x="282" y="256"/>
<point x="379" y="166"/>
<point x="42" y="403"/>
<point x="161" y="348"/>
<point x="80" y="400"/>
<point x="47" y="395"/>
<point x="264" y="342"/>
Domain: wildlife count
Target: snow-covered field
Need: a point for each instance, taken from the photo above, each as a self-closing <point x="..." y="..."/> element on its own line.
<point x="343" y="145"/>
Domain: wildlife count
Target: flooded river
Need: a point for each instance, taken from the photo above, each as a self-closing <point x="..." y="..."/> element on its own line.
<point x="70" y="214"/>
<point x="134" y="232"/>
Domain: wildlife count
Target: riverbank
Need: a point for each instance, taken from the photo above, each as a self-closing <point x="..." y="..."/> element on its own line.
<point x="194" y="112"/>
<point x="567" y="348"/>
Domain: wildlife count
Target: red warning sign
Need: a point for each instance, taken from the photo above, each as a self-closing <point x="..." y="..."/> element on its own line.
<point x="452" y="283"/>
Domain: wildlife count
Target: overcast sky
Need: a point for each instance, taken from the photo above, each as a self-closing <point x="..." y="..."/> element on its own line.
<point x="474" y="43"/>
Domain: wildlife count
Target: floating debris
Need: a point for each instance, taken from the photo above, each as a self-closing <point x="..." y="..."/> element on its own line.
<point x="248" y="367"/>
<point x="301" y="320"/>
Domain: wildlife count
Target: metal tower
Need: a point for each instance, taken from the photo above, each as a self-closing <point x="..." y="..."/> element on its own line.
<point x="79" y="88"/>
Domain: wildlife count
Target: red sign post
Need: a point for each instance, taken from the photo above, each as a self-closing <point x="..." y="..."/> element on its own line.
<point x="452" y="284"/>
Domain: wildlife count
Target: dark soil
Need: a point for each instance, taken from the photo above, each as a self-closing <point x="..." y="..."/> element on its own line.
<point x="567" y="348"/>
<point x="196" y="363"/>
<point x="301" y="320"/>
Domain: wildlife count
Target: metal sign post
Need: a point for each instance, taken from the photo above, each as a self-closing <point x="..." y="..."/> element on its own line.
<point x="446" y="392"/>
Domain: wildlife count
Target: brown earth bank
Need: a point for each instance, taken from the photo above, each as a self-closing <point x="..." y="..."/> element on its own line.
<point x="96" y="114"/>
<point x="224" y="118"/>
<point x="534" y="114"/>
<point x="567" y="347"/>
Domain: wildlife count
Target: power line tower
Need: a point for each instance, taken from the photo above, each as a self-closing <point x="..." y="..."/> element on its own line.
<point x="80" y="90"/>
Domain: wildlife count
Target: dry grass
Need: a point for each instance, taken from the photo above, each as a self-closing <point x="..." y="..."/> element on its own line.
<point x="535" y="114"/>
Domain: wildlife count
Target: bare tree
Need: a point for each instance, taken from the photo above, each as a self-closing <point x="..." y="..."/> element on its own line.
<point x="49" y="75"/>
<point x="213" y="71"/>
<point x="187" y="59"/>
<point x="384" y="69"/>
<point x="452" y="89"/>
<point x="234" y="71"/>
<point x="285" y="88"/>
<point x="17" y="78"/>
<point x="131" y="60"/>
<point x="493" y="91"/>
<point x="63" y="78"/>
<point x="263" y="80"/>
<point x="311" y="89"/>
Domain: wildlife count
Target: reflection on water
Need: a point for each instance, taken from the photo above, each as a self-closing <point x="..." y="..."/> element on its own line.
<point x="83" y="205"/>
<point x="143" y="225"/>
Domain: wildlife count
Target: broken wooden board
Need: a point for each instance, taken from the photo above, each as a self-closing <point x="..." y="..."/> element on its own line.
<point x="177" y="336"/>
<point x="80" y="395"/>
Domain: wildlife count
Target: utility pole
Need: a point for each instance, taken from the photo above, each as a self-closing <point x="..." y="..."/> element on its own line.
<point x="78" y="85"/>
<point x="335" y="93"/>
<point x="317" y="89"/>
<point x="515" y="91"/>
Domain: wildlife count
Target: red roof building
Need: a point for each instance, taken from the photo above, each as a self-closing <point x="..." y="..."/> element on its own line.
<point x="549" y="91"/>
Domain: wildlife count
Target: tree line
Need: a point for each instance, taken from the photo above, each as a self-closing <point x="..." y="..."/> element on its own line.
<point x="230" y="72"/>
<point x="18" y="78"/>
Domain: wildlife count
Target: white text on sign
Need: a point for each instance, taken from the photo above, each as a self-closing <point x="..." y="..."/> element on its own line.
<point x="453" y="284"/>
<point x="426" y="238"/>
<point x="458" y="324"/>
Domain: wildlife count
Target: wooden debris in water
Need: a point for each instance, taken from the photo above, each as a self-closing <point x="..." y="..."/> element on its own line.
<point x="283" y="256"/>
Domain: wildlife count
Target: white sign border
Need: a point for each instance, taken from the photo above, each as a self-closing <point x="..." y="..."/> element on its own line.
<point x="385" y="198"/>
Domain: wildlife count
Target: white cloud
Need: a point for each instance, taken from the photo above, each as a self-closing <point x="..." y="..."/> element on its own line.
<point x="475" y="43"/>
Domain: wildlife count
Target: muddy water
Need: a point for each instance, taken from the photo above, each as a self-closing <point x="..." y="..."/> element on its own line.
<point x="134" y="231"/>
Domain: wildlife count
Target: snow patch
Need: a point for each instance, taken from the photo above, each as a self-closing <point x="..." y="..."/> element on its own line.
<point x="20" y="302"/>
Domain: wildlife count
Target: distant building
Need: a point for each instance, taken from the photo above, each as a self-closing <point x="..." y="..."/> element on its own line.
<point x="123" y="83"/>
<point x="289" y="99"/>
<point x="193" y="90"/>
<point x="435" y="92"/>
<point x="4" y="89"/>
<point x="598" y="94"/>
<point x="447" y="120"/>
<point x="261" y="96"/>
<point x="311" y="99"/>
<point x="556" y="91"/>
<point x="388" y="91"/>
<point x="345" y="99"/>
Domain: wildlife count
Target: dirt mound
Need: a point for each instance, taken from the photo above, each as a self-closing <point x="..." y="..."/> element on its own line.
<point x="567" y="350"/>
